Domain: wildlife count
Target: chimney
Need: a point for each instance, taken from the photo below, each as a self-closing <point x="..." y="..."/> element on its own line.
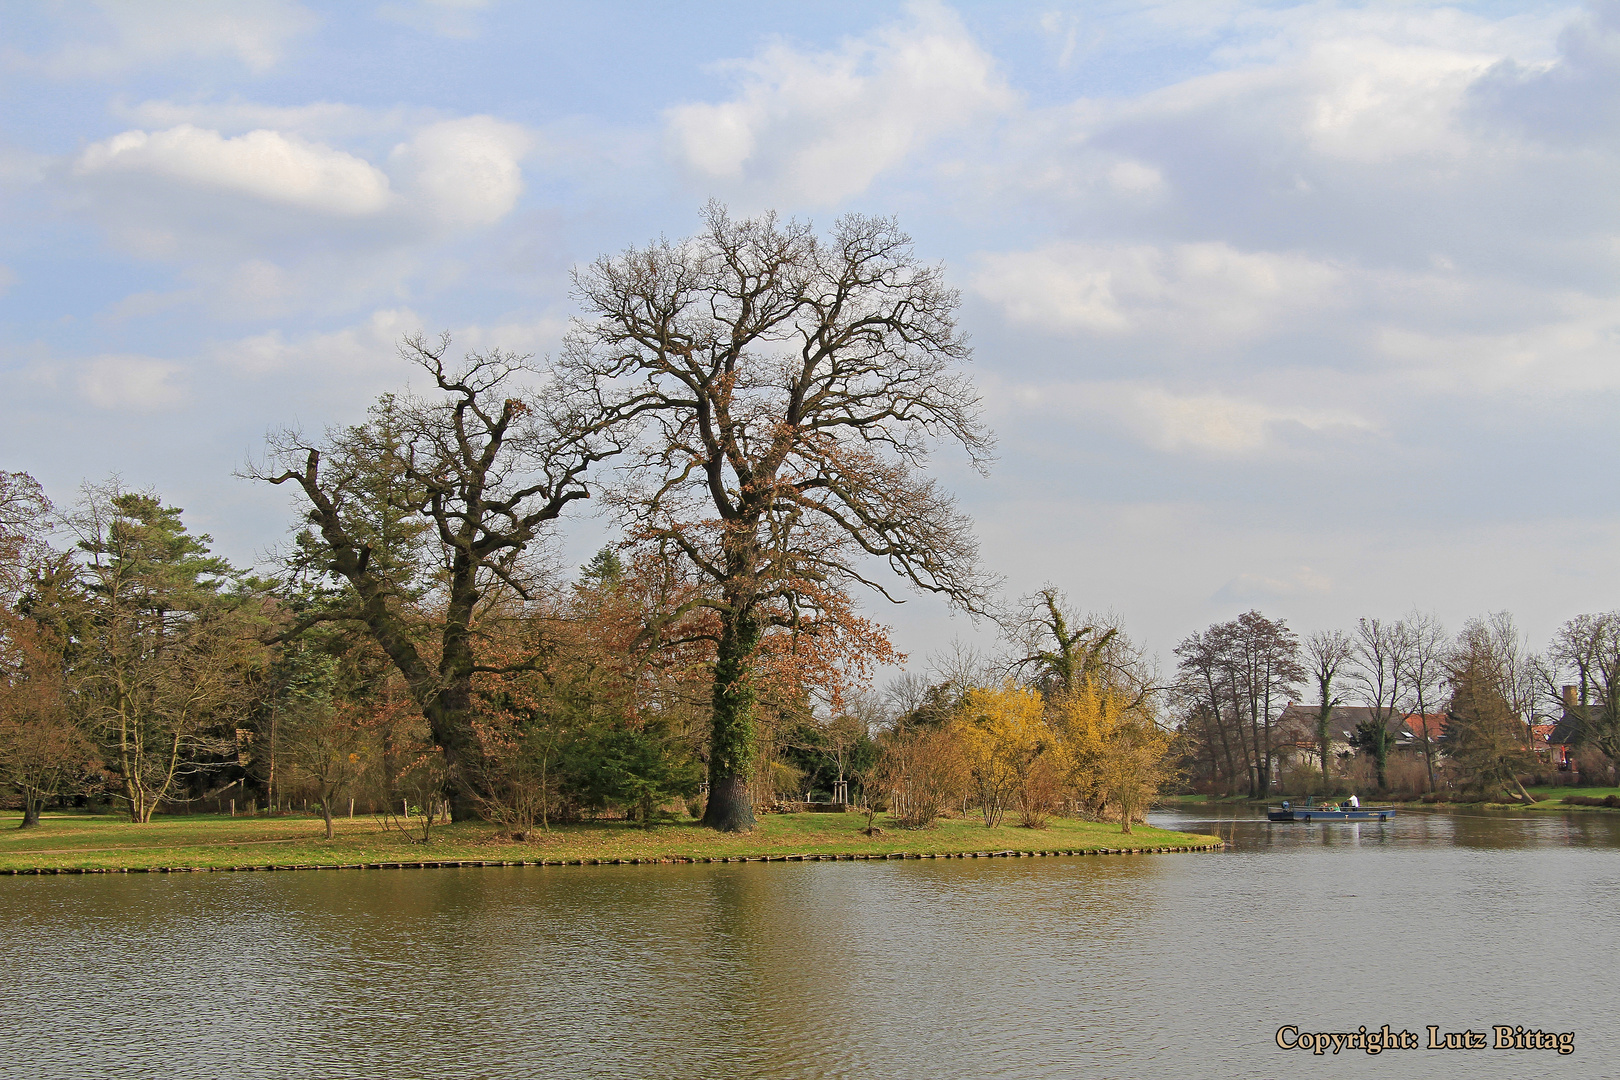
<point x="1570" y="700"/>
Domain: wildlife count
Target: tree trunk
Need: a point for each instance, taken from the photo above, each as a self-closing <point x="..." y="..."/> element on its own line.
<point x="646" y="811"/>
<point x="326" y="812"/>
<point x="731" y="739"/>
<point x="1325" y="741"/>
<point x="31" y="805"/>
<point x="1249" y="741"/>
<point x="1226" y="752"/>
<point x="449" y="717"/>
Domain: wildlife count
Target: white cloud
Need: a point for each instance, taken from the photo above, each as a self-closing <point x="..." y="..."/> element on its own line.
<point x="1194" y="288"/>
<point x="1572" y="350"/>
<point x="115" y="36"/>
<point x="464" y="172"/>
<point x="1569" y="101"/>
<point x="131" y="383"/>
<point x="1366" y="86"/>
<point x="450" y="174"/>
<point x="1215" y="424"/>
<point x="1249" y="587"/>
<point x="1135" y="178"/>
<point x="268" y="223"/>
<point x="262" y="164"/>
<point x="1352" y="133"/>
<point x="818" y="128"/>
<point x="317" y="121"/>
<point x="368" y="346"/>
<point x="372" y="345"/>
<point x="447" y="18"/>
<point x="1374" y="102"/>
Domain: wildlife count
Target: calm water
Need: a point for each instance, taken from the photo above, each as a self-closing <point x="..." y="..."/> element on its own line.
<point x="1175" y="967"/>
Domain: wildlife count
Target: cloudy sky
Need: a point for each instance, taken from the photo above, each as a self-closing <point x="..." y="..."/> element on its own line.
<point x="1313" y="308"/>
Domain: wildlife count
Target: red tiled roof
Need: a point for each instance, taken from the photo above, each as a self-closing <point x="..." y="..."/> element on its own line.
<point x="1434" y="723"/>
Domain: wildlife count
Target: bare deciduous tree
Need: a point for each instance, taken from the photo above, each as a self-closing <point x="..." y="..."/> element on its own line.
<point x="329" y="748"/>
<point x="1426" y="673"/>
<point x="1587" y="650"/>
<point x="1326" y="654"/>
<point x="1232" y="675"/>
<point x="426" y="513"/>
<point x="43" y="750"/>
<point x="791" y="388"/>
<point x="1383" y="650"/>
<point x="25" y="515"/>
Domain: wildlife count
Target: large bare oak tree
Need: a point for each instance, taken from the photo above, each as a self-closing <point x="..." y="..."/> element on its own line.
<point x="790" y="388"/>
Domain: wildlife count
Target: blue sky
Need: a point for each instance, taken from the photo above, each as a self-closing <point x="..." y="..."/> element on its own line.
<point x="1312" y="308"/>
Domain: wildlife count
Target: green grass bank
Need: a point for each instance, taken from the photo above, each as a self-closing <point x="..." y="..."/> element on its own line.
<point x="82" y="843"/>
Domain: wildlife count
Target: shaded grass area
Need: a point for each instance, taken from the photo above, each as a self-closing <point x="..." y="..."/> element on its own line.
<point x="67" y="841"/>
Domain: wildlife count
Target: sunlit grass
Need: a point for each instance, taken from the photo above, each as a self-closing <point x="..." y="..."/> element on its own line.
<point x="204" y="841"/>
<point x="1551" y="798"/>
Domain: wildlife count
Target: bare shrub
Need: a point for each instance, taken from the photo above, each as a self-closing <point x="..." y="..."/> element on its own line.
<point x="1592" y="767"/>
<point x="1407" y="775"/>
<point x="921" y="772"/>
<point x="1040" y="790"/>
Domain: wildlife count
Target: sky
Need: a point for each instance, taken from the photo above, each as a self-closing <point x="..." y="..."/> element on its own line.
<point x="1309" y="308"/>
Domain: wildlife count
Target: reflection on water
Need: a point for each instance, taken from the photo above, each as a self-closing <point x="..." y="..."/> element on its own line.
<point x="1142" y="966"/>
<point x="1247" y="828"/>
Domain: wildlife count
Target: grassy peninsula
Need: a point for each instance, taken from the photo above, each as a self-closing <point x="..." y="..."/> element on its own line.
<point x="83" y="842"/>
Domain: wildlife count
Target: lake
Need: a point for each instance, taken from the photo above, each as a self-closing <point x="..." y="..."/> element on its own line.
<point x="1120" y="966"/>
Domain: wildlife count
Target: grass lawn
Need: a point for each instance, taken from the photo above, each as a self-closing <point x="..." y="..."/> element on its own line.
<point x="69" y="841"/>
<point x="1546" y="796"/>
<point x="1551" y="798"/>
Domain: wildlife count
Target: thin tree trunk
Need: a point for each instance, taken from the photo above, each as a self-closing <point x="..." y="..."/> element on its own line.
<point x="1226" y="752"/>
<point x="1324" y="739"/>
<point x="1249" y="742"/>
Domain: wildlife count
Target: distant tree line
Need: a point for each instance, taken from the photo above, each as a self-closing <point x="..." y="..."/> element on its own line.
<point x="1479" y="712"/>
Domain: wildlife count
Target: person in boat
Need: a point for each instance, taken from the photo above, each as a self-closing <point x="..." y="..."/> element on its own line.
<point x="1353" y="802"/>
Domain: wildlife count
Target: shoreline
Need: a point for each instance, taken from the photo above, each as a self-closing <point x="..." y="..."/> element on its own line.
<point x="459" y="864"/>
<point x="78" y="844"/>
<point x="1539" y="806"/>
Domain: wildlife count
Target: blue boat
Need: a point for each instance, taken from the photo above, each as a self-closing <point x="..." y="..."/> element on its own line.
<point x="1329" y="812"/>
